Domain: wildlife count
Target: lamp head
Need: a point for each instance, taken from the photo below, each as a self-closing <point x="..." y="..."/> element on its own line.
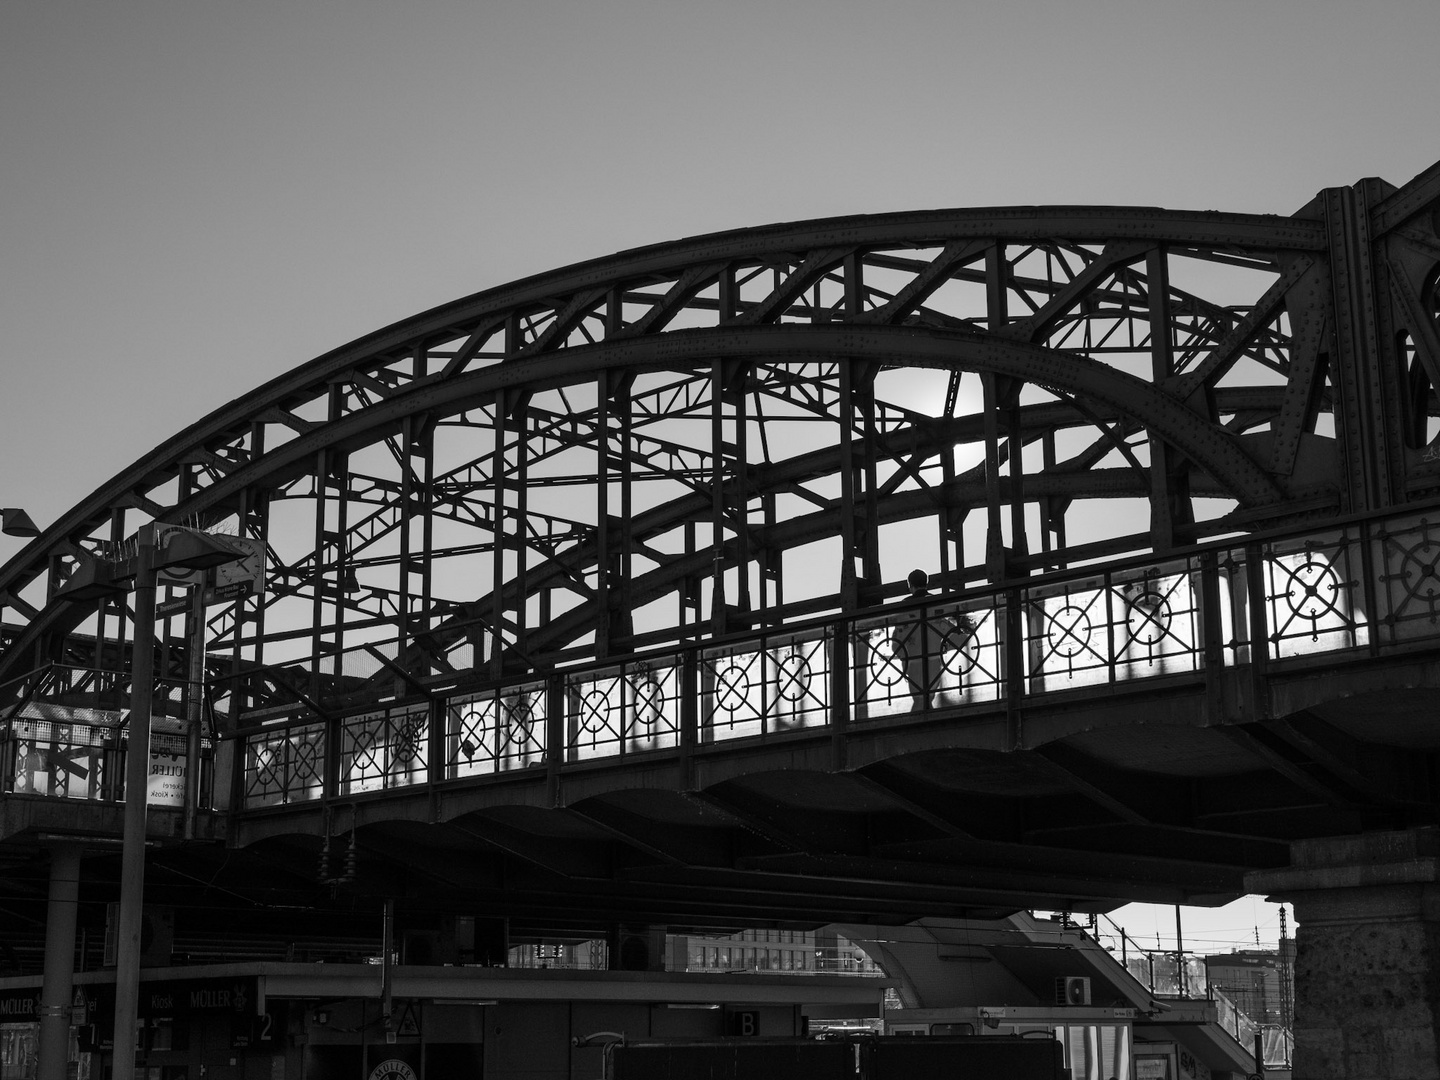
<point x="16" y="522"/>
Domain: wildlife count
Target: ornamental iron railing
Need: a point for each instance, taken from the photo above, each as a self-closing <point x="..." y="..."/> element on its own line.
<point x="1362" y="588"/>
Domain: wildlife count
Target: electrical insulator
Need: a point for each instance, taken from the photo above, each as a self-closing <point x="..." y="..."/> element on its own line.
<point x="324" y="874"/>
<point x="351" y="856"/>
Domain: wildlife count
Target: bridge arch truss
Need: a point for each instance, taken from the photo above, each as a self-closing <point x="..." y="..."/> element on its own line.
<point x="737" y="430"/>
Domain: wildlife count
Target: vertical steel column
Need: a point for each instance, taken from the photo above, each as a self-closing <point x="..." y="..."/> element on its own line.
<point x="854" y="270"/>
<point x="436" y="721"/>
<point x="603" y="539"/>
<point x="690" y="599"/>
<point x="1376" y="622"/>
<point x="420" y="662"/>
<point x="1170" y="511"/>
<point x="340" y="576"/>
<point x="416" y="483"/>
<point x="556" y="747"/>
<point x="858" y="489"/>
<point x="105" y="603"/>
<point x="253" y="520"/>
<point x="1368" y="420"/>
<point x="1052" y="507"/>
<point x="1014" y="666"/>
<point x="772" y="561"/>
<point x="318" y="622"/>
<point x="870" y="536"/>
<point x="508" y="524"/>
<point x="843" y="676"/>
<point x="1406" y="387"/>
<point x="327" y="583"/>
<point x="194" y="702"/>
<point x="190" y="645"/>
<point x="1259" y="631"/>
<point x="738" y="503"/>
<point x="728" y="297"/>
<point x="689" y="715"/>
<point x="417" y="566"/>
<point x="251" y="609"/>
<point x="168" y="647"/>
<point x="59" y="960"/>
<point x="137" y="767"/>
<point x="254" y="517"/>
<point x="995" y="560"/>
<point x="520" y="414"/>
<point x="605" y="581"/>
<point x="997" y="286"/>
<point x="845" y="412"/>
<point x="951" y="537"/>
<point x="997" y="314"/>
<point x="498" y="484"/>
<point x="1015" y="454"/>
<point x="718" y="602"/>
<point x="1212" y="634"/>
<point x="622" y="468"/>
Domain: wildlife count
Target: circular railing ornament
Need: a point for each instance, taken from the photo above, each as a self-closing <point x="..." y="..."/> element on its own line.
<point x="1068" y="630"/>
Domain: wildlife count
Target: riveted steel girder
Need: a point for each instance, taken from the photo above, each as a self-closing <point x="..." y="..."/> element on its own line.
<point x="1263" y="362"/>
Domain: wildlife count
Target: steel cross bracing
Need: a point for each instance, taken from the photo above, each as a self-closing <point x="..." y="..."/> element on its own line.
<point x="739" y="430"/>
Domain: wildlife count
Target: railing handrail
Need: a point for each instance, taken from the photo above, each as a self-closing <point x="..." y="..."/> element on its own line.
<point x="1350" y="587"/>
<point x="564" y="666"/>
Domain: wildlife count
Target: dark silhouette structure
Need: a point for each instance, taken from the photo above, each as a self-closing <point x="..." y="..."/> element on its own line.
<point x="585" y="598"/>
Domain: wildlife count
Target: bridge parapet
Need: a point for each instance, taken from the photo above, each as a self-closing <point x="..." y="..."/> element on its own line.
<point x="1365" y="587"/>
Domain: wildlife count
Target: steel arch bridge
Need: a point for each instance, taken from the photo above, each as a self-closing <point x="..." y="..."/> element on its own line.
<point x="542" y="466"/>
<point x="737" y="433"/>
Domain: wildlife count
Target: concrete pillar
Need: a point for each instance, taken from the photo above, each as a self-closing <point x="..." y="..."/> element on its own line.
<point x="59" y="980"/>
<point x="1367" y="966"/>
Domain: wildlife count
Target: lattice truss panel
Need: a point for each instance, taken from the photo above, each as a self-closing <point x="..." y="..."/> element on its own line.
<point x="739" y="430"/>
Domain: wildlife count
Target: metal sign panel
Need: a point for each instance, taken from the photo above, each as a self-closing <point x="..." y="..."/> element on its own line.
<point x="229" y="581"/>
<point x="165" y="783"/>
<point x="185" y="997"/>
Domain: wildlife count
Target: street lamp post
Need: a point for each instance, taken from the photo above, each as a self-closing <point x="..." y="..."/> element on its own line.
<point x="137" y="772"/>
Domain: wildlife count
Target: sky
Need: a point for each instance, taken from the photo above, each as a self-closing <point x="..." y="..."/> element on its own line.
<point x="1250" y="922"/>
<point x="197" y="196"/>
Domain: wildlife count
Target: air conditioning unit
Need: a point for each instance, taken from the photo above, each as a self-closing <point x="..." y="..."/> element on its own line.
<point x="1072" y="990"/>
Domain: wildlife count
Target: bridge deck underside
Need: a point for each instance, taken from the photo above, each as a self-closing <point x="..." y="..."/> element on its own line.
<point x="1121" y="797"/>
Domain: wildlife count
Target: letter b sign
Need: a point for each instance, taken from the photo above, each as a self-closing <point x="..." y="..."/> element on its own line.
<point x="744" y="1022"/>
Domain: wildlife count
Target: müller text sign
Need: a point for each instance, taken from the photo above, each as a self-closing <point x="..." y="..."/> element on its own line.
<point x="189" y="997"/>
<point x="165" y="783"/>
<point x="19" y="1006"/>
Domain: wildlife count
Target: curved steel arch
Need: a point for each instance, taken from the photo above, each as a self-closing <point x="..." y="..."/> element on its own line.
<point x="1143" y="355"/>
<point x="1214" y="449"/>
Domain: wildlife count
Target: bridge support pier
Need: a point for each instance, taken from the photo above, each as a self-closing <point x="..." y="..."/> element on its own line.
<point x="59" y="960"/>
<point x="1367" y="976"/>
